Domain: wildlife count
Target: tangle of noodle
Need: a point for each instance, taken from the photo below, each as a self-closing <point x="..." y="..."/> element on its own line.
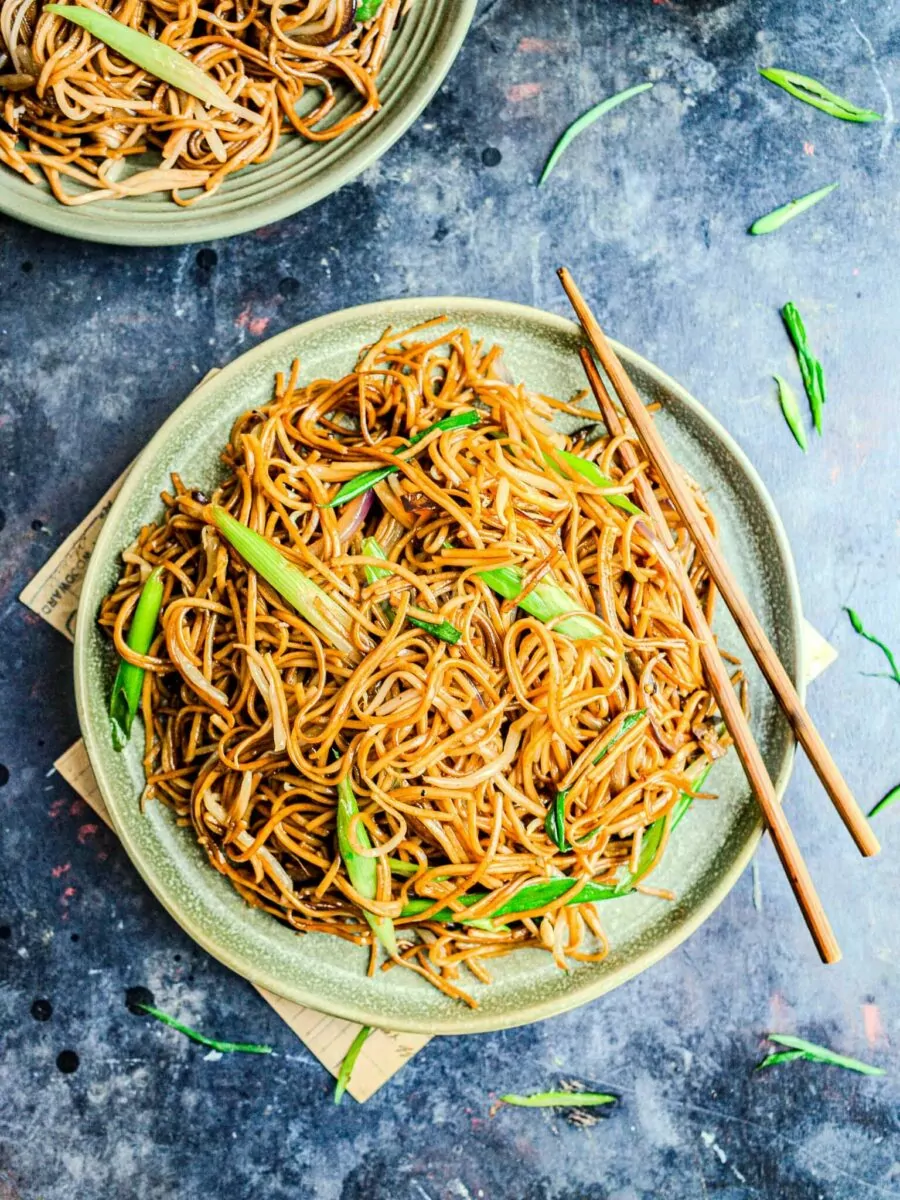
<point x="77" y="111"/>
<point x="454" y="752"/>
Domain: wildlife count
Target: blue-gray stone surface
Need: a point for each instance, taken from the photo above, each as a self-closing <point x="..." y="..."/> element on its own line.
<point x="650" y="209"/>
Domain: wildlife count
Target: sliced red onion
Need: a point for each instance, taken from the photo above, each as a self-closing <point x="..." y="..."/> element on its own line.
<point x="353" y="515"/>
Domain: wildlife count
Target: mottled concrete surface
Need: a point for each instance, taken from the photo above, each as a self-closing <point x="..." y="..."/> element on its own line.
<point x="650" y="209"/>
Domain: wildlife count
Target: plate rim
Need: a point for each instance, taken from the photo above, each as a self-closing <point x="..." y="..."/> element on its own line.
<point x="475" y="1021"/>
<point x="188" y="226"/>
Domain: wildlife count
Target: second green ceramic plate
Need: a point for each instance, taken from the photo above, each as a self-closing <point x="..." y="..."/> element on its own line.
<point x="714" y="842"/>
<point x="300" y="173"/>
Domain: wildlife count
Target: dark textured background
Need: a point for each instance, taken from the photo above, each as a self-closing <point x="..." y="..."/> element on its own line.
<point x="98" y="345"/>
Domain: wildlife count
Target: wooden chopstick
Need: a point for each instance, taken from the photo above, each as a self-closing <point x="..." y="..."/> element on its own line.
<point x="722" y="690"/>
<point x="778" y="679"/>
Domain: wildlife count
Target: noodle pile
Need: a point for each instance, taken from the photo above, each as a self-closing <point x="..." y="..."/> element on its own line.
<point x="77" y="112"/>
<point x="455" y="752"/>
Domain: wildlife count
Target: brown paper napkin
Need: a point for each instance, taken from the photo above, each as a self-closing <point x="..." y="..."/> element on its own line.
<point x="53" y="594"/>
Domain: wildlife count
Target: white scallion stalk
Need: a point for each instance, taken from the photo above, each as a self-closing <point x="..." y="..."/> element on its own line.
<point x="310" y="601"/>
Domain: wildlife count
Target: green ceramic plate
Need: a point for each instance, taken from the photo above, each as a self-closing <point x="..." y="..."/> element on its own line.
<point x="300" y="173"/>
<point x="714" y="842"/>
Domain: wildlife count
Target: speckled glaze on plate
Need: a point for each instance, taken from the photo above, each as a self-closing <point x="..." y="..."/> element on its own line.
<point x="715" y="841"/>
<point x="300" y="173"/>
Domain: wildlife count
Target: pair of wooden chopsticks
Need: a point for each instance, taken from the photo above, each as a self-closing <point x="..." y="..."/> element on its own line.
<point x="754" y="635"/>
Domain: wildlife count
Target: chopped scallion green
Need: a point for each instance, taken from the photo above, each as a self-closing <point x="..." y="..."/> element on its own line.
<point x="442" y="630"/>
<point x="870" y="637"/>
<point x="820" y="1054"/>
<point x="779" y="216"/>
<point x="810" y="91"/>
<point x="355" y="487"/>
<point x="213" y="1043"/>
<point x="363" y="871"/>
<point x="126" y="691"/>
<point x="349" y="1062"/>
<point x="584" y="121"/>
<point x="310" y="601"/>
<point x="559" y="1099"/>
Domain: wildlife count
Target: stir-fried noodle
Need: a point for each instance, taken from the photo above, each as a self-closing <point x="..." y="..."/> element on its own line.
<point x="535" y="747"/>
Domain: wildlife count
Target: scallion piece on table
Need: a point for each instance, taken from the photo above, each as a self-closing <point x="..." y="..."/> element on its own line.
<point x="592" y="473"/>
<point x="538" y="895"/>
<point x="559" y="1099"/>
<point x="159" y="59"/>
<point x="888" y="653"/>
<point x="546" y="601"/>
<point x="213" y="1043"/>
<point x="810" y="367"/>
<point x="790" y="408"/>
<point x="780" y="1056"/>
<point x="349" y="1060"/>
<point x="442" y="630"/>
<point x="821" y="1054"/>
<point x="355" y="487"/>
<point x="810" y="91"/>
<point x="126" y="691"/>
<point x="779" y="216"/>
<point x="363" y="871"/>
<point x="310" y="601"/>
<point x="584" y="121"/>
<point x="555" y="822"/>
<point x="886" y="801"/>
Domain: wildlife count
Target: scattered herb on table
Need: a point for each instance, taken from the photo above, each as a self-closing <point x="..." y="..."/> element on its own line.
<point x="213" y="1043"/>
<point x="810" y="91"/>
<point x="870" y="637"/>
<point x="886" y="801"/>
<point x="790" y="407"/>
<point x="559" y="1099"/>
<point x="800" y="1048"/>
<point x="126" y="691"/>
<point x="775" y="219"/>
<point x="810" y="367"/>
<point x="349" y="1062"/>
<point x="584" y="121"/>
<point x="155" y="57"/>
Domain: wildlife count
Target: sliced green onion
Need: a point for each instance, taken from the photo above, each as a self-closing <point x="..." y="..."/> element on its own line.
<point x="363" y="871"/>
<point x="349" y="1062"/>
<point x="555" y="822"/>
<point x="355" y="487"/>
<point x="775" y="219"/>
<point x="310" y="601"/>
<point x="546" y="601"/>
<point x="439" y="629"/>
<point x="559" y="1099"/>
<point x="126" y="690"/>
<point x="584" y="121"/>
<point x="886" y="801"/>
<point x="810" y="91"/>
<point x="538" y="895"/>
<point x="592" y="473"/>
<point x="366" y="10"/>
<point x="213" y="1043"/>
<point x="822" y="1054"/>
<point x="790" y="408"/>
<point x="870" y="637"/>
<point x="153" y="56"/>
<point x="810" y="367"/>
<point x="781" y="1056"/>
